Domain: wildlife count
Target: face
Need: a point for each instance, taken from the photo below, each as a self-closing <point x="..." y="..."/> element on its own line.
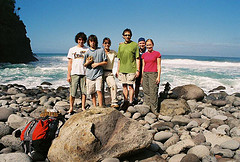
<point x="141" y="44"/>
<point x="92" y="44"/>
<point x="149" y="46"/>
<point x="106" y="44"/>
<point x="81" y="42"/>
<point x="127" y="36"/>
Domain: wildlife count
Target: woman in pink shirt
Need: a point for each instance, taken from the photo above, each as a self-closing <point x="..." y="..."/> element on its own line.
<point x="151" y="76"/>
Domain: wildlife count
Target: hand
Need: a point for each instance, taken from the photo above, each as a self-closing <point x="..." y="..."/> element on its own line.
<point x="157" y="80"/>
<point x="69" y="79"/>
<point x="94" y="65"/>
<point x="141" y="80"/>
<point x="137" y="74"/>
<point x="117" y="74"/>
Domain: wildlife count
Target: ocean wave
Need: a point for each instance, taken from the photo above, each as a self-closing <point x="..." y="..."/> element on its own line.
<point x="195" y="63"/>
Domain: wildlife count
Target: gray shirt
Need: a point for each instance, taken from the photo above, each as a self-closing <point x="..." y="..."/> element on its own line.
<point x="98" y="56"/>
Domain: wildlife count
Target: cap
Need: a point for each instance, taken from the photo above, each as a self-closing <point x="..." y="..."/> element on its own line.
<point x="141" y="39"/>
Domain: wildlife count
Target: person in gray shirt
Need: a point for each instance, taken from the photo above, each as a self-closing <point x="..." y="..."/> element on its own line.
<point x="94" y="69"/>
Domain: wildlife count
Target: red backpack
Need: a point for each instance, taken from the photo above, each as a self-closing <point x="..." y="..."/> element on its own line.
<point x="38" y="135"/>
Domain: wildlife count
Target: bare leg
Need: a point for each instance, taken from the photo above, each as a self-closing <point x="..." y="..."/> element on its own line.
<point x="100" y="98"/>
<point x="125" y="92"/>
<point x="131" y="93"/>
<point x="71" y="100"/>
<point x="94" y="99"/>
<point x="83" y="101"/>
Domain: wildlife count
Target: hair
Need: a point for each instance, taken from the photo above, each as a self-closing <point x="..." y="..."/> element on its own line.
<point x="81" y="35"/>
<point x="127" y="30"/>
<point x="92" y="38"/>
<point x="107" y="39"/>
<point x="149" y="40"/>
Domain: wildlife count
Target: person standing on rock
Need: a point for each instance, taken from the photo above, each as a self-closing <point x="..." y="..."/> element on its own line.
<point x="108" y="76"/>
<point x="76" y="71"/>
<point x="128" y="66"/>
<point x="151" y="76"/>
<point x="142" y="49"/>
<point x="94" y="70"/>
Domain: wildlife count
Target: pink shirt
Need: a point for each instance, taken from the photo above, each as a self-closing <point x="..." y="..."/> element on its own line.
<point x="150" y="60"/>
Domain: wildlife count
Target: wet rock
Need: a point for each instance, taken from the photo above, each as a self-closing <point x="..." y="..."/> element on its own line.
<point x="219" y="103"/>
<point x="13" y="91"/>
<point x="188" y="92"/>
<point x="218" y="88"/>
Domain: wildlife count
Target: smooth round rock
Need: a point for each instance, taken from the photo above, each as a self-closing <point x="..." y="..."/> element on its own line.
<point x="111" y="160"/>
<point x="4" y="129"/>
<point x="220" y="117"/>
<point x="136" y="115"/>
<point x="5" y="113"/>
<point x="231" y="144"/>
<point x="190" y="158"/>
<point x="160" y="136"/>
<point x="177" y="158"/>
<point x="200" y="151"/>
<point x="19" y="157"/>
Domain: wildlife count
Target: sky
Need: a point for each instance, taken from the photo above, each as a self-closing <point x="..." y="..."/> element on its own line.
<point x="177" y="27"/>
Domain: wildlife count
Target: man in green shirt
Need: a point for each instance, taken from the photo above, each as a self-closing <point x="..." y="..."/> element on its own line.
<point x="128" y="66"/>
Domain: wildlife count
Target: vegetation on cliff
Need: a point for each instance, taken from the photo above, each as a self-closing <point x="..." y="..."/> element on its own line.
<point x="14" y="44"/>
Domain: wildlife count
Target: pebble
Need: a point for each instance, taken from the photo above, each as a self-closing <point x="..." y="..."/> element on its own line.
<point x="136" y="115"/>
<point x="200" y="151"/>
<point x="231" y="144"/>
<point x="176" y="158"/>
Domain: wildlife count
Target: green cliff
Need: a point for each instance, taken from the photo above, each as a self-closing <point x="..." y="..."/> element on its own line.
<point x="14" y="44"/>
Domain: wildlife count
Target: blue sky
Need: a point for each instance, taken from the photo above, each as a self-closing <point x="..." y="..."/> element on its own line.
<point x="182" y="27"/>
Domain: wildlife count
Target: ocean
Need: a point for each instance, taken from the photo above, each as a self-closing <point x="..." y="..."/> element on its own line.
<point x="207" y="72"/>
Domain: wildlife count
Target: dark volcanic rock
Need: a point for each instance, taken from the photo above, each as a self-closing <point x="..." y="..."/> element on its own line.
<point x="14" y="44"/>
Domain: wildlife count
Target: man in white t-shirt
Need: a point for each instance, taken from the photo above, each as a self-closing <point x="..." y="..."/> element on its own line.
<point x="76" y="71"/>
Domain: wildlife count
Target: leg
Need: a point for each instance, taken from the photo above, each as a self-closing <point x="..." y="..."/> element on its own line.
<point x="83" y="101"/>
<point x="71" y="100"/>
<point x="94" y="99"/>
<point x="125" y="92"/>
<point x="153" y="92"/>
<point x="103" y="88"/>
<point x="100" y="98"/>
<point x="146" y="89"/>
<point x="113" y="88"/>
<point x="131" y="92"/>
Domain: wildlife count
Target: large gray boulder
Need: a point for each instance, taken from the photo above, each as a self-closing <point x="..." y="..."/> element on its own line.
<point x="172" y="107"/>
<point x="188" y="92"/>
<point x="4" y="129"/>
<point x="96" y="134"/>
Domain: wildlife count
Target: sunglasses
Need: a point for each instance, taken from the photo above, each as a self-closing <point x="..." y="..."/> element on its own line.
<point x="107" y="43"/>
<point x="127" y="35"/>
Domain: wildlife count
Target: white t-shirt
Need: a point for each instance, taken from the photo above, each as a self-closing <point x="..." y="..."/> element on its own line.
<point x="77" y="55"/>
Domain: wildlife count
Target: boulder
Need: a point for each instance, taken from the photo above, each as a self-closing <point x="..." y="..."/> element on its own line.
<point x="215" y="139"/>
<point x="4" y="129"/>
<point x="172" y="107"/>
<point x="16" y="121"/>
<point x="19" y="157"/>
<point x="5" y="113"/>
<point x="190" y="158"/>
<point x="11" y="141"/>
<point x="231" y="144"/>
<point x="188" y="92"/>
<point x="13" y="91"/>
<point x="96" y="134"/>
<point x="177" y="158"/>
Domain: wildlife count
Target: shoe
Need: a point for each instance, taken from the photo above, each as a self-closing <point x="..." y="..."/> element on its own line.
<point x="135" y="101"/>
<point x="124" y="106"/>
<point x="115" y="105"/>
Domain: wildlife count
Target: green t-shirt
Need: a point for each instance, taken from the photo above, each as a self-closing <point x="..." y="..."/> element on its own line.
<point x="127" y="53"/>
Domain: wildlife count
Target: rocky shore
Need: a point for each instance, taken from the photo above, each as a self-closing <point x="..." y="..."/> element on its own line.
<point x="191" y="126"/>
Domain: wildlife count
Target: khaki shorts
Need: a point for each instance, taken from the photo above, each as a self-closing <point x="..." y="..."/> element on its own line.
<point x="77" y="81"/>
<point x="127" y="78"/>
<point x="94" y="85"/>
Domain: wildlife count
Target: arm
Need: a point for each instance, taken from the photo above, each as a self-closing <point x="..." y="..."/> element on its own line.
<point x="143" y="65"/>
<point x="138" y="67"/>
<point x="69" y="70"/>
<point x="94" y="65"/>
<point x="159" y="70"/>
<point x="117" y="73"/>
